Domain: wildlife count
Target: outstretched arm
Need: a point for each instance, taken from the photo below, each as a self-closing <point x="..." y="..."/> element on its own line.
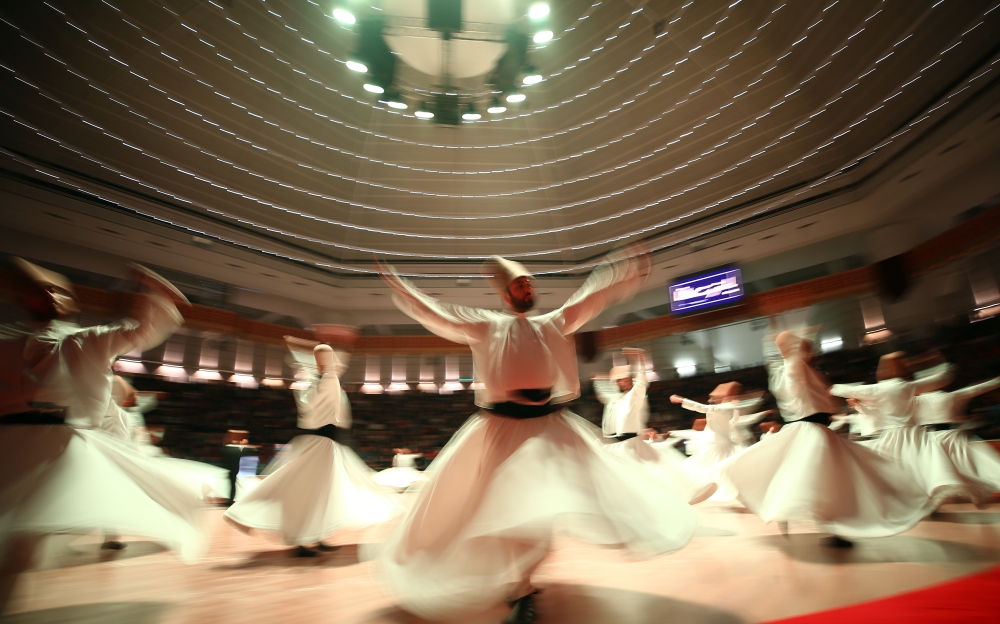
<point x="456" y="323"/>
<point x="970" y="392"/>
<point x="616" y="279"/>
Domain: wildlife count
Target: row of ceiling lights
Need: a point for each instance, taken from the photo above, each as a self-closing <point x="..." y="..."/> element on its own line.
<point x="392" y="98"/>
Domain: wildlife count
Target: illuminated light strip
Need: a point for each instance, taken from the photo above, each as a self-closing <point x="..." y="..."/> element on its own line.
<point x="577" y="267"/>
<point x="492" y="119"/>
<point x="804" y="158"/>
<point x="615" y="30"/>
<point x="561" y="229"/>
<point x="502" y="216"/>
<point x="590" y="176"/>
<point x="347" y="125"/>
<point x="719" y="202"/>
<point x="320" y="50"/>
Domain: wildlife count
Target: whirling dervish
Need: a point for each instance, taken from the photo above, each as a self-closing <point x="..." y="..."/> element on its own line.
<point x="806" y="472"/>
<point x="626" y="414"/>
<point x="523" y="464"/>
<point x="403" y="474"/>
<point x="723" y="420"/>
<point x="943" y="412"/>
<point x="317" y="485"/>
<point x="59" y="472"/>
<point x="891" y="402"/>
<point x="209" y="482"/>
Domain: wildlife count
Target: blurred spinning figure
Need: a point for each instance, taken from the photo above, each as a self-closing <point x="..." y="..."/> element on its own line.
<point x="891" y="403"/>
<point x="626" y="413"/>
<point x="522" y="464"/>
<point x="942" y="412"/>
<point x="59" y="472"/>
<point x="806" y="472"/>
<point x="317" y="484"/>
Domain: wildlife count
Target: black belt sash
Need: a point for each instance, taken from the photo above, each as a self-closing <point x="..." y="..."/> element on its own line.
<point x="621" y="437"/>
<point x="33" y="418"/>
<point x="330" y="432"/>
<point x="819" y="418"/>
<point x="939" y="427"/>
<point x="510" y="409"/>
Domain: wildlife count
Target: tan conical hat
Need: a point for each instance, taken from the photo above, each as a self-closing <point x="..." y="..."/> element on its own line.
<point x="43" y="277"/>
<point x="620" y="372"/>
<point x="731" y="388"/>
<point x="325" y="356"/>
<point x="500" y="272"/>
<point x="891" y="365"/>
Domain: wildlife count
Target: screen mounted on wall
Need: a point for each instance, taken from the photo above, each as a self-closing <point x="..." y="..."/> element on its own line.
<point x="706" y="290"/>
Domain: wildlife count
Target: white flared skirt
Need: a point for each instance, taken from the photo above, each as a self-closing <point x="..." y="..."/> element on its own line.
<point x="400" y="477"/>
<point x="805" y="472"/>
<point x="319" y="487"/>
<point x="497" y="492"/>
<point x="56" y="479"/>
<point x="924" y="456"/>
<point x="973" y="457"/>
<point x="706" y="461"/>
<point x="211" y="481"/>
<point x="667" y="467"/>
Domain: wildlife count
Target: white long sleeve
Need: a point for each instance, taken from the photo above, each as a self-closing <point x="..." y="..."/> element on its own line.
<point x="74" y="363"/>
<point x="322" y="403"/>
<point x="513" y="352"/>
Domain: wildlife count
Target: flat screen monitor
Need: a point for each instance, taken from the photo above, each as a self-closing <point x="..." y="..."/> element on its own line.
<point x="706" y="290"/>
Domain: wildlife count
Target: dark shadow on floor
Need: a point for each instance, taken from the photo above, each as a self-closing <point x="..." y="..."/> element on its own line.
<point x="347" y="555"/>
<point x="89" y="554"/>
<point x="808" y="547"/>
<point x="585" y="604"/>
<point x="98" y="613"/>
<point x="965" y="517"/>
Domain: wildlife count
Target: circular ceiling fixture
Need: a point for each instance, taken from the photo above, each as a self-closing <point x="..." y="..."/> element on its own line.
<point x="467" y="53"/>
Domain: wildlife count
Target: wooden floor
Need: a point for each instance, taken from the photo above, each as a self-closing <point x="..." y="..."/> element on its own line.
<point x="735" y="570"/>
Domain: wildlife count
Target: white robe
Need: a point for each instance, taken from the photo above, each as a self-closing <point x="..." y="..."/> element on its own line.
<point x="403" y="474"/>
<point x="76" y="478"/>
<point x="805" y="472"/>
<point x="628" y="412"/>
<point x="722" y="420"/>
<point x="501" y="486"/>
<point x="972" y="457"/>
<point x="891" y="402"/>
<point x="315" y="486"/>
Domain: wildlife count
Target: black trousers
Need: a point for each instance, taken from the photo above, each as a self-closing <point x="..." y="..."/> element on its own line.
<point x="231" y="455"/>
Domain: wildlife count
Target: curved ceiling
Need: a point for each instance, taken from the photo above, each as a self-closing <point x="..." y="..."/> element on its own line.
<point x="656" y="121"/>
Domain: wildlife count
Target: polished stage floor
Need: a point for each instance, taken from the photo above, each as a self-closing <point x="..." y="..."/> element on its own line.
<point x="736" y="569"/>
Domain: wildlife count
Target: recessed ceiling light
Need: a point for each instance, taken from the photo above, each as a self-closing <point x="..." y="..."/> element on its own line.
<point x="538" y="11"/>
<point x="343" y="15"/>
<point x="542" y="37"/>
<point x="371" y="88"/>
<point x="357" y="66"/>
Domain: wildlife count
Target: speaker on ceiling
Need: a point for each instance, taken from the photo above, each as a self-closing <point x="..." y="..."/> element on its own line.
<point x="445" y="15"/>
<point x="893" y="280"/>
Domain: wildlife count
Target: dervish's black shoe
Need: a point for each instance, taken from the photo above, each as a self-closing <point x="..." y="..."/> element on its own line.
<point x="302" y="551"/>
<point x="112" y="545"/>
<point x="523" y="611"/>
<point x="320" y="546"/>
<point x="837" y="542"/>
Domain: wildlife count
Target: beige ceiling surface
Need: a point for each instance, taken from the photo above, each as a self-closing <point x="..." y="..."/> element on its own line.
<point x="241" y="118"/>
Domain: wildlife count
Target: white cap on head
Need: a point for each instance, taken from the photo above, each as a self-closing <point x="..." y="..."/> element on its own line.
<point x="325" y="356"/>
<point x="621" y="372"/>
<point x="500" y="272"/>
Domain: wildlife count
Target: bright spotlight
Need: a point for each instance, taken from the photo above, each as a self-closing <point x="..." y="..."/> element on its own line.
<point x="357" y="66"/>
<point x="373" y="88"/>
<point x="424" y="114"/>
<point x="471" y="116"/>
<point x="344" y="16"/>
<point x="396" y="104"/>
<point x="515" y="97"/>
<point x="496" y="109"/>
<point x="532" y="79"/>
<point x="538" y="11"/>
<point x="542" y="37"/>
